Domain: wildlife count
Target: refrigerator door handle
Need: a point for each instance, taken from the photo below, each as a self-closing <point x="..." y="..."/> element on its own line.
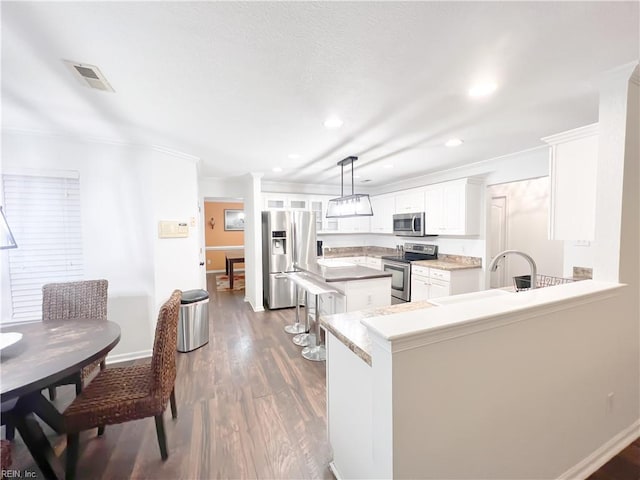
<point x="294" y="246"/>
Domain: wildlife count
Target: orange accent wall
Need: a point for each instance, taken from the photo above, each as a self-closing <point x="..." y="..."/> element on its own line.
<point x="218" y="236"/>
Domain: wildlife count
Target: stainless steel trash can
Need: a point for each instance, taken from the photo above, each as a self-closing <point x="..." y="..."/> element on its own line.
<point x="193" y="323"/>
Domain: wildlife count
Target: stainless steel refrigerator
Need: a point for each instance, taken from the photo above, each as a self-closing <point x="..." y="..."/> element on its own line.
<point x="288" y="237"/>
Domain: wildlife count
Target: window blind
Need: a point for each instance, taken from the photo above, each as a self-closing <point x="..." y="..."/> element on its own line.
<point x="44" y="215"/>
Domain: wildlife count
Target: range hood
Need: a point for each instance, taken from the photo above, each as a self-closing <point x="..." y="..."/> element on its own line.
<point x="354" y="205"/>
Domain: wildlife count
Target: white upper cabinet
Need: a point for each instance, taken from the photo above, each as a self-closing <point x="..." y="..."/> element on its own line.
<point x="409" y="201"/>
<point x="383" y="209"/>
<point x="573" y="169"/>
<point x="453" y="208"/>
<point x="354" y="225"/>
<point x="274" y="201"/>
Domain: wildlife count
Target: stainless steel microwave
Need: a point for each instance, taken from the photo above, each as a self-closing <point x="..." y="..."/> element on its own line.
<point x="408" y="224"/>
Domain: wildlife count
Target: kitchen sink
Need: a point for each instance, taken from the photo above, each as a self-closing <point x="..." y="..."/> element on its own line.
<point x="466" y="297"/>
<point x="334" y="263"/>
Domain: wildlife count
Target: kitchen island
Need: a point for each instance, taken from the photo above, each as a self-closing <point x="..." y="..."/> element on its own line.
<point x="357" y="287"/>
<point x="413" y="388"/>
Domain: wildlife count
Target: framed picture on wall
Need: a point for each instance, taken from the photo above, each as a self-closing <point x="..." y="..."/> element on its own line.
<point x="234" y="219"/>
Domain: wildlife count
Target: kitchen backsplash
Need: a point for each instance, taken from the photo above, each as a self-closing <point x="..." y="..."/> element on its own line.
<point x="336" y="252"/>
<point x="582" y="273"/>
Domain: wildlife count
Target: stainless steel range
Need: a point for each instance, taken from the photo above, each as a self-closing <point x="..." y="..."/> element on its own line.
<point x="399" y="266"/>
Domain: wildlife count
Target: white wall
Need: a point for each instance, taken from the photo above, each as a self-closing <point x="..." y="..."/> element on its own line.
<point x="526" y="399"/>
<point x="124" y="191"/>
<point x="527" y="225"/>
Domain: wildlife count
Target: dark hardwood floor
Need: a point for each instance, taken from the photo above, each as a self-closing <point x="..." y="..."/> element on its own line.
<point x="249" y="406"/>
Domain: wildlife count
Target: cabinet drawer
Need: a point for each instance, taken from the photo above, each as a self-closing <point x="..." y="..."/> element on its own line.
<point x="440" y="274"/>
<point x="419" y="270"/>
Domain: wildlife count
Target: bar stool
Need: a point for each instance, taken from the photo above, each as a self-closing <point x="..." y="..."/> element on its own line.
<point x="314" y="351"/>
<point x="297" y="327"/>
<point x="302" y="339"/>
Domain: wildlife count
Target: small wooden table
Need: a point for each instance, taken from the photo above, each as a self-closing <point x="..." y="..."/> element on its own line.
<point x="232" y="257"/>
<point x="48" y="352"/>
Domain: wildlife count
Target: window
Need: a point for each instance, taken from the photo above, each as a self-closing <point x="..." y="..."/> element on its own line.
<point x="44" y="215"/>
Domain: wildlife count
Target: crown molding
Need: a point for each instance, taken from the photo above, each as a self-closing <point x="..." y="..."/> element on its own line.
<point x="569" y="135"/>
<point x="100" y="141"/>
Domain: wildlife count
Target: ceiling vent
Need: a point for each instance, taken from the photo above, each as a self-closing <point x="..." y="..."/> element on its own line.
<point x="89" y="75"/>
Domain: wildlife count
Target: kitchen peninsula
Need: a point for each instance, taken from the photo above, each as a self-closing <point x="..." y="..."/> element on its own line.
<point x="413" y="388"/>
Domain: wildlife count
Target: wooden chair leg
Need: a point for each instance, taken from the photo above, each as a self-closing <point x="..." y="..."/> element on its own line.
<point x="73" y="447"/>
<point x="52" y="393"/>
<point x="162" y="438"/>
<point x="174" y="408"/>
<point x="9" y="431"/>
<point x="101" y="430"/>
<point x="78" y="386"/>
<point x="103" y="365"/>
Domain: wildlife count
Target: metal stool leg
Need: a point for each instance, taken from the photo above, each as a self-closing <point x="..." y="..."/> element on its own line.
<point x="302" y="339"/>
<point x="316" y="352"/>
<point x="296" y="327"/>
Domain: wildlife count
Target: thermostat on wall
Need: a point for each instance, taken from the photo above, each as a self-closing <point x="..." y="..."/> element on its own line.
<point x="171" y="229"/>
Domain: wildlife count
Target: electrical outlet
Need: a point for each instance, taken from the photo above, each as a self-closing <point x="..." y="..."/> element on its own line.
<point x="208" y="261"/>
<point x="610" y="402"/>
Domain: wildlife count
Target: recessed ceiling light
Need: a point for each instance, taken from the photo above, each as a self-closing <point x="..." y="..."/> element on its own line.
<point x="293" y="156"/>
<point x="277" y="169"/>
<point x="388" y="165"/>
<point x="482" y="89"/>
<point x="333" y="122"/>
<point x="453" y="142"/>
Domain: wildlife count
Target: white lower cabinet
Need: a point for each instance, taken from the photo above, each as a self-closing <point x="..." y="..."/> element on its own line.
<point x="356" y="295"/>
<point x="428" y="283"/>
<point x="373" y="262"/>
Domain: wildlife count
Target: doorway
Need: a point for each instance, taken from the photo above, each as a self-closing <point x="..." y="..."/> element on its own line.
<point x="519" y="220"/>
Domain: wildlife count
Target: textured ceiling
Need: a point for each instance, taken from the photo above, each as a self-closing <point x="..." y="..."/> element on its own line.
<point x="243" y="84"/>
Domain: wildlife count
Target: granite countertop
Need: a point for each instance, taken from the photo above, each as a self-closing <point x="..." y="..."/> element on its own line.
<point x="342" y="274"/>
<point x="445" y="264"/>
<point x="347" y="328"/>
<point x="444" y="261"/>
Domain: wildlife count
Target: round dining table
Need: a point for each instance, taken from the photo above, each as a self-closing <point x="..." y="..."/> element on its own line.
<point x="47" y="353"/>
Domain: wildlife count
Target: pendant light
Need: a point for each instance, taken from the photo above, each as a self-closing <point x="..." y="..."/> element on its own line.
<point x="354" y="205"/>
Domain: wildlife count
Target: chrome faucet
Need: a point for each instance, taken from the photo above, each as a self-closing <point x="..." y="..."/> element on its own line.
<point x="494" y="263"/>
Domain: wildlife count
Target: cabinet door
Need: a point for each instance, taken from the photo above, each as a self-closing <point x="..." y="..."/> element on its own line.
<point x="573" y="184"/>
<point x="298" y="202"/>
<point x="316" y="206"/>
<point x="373" y="262"/>
<point x="383" y="209"/>
<point x="328" y="224"/>
<point x="439" y="289"/>
<point x="410" y="201"/>
<point x="434" y="210"/>
<point x="353" y="225"/>
<point x="453" y="208"/>
<point x="453" y="199"/>
<point x="419" y="288"/>
<point x="274" y="201"/>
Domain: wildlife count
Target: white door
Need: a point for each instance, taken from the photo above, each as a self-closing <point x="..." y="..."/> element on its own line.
<point x="498" y="239"/>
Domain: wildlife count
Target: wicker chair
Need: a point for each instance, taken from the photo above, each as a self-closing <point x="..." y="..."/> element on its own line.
<point x="5" y="454"/>
<point x="61" y="301"/>
<point x="122" y="394"/>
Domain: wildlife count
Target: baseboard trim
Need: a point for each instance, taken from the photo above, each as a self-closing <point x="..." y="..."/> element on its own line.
<point x="603" y="454"/>
<point x="127" y="357"/>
